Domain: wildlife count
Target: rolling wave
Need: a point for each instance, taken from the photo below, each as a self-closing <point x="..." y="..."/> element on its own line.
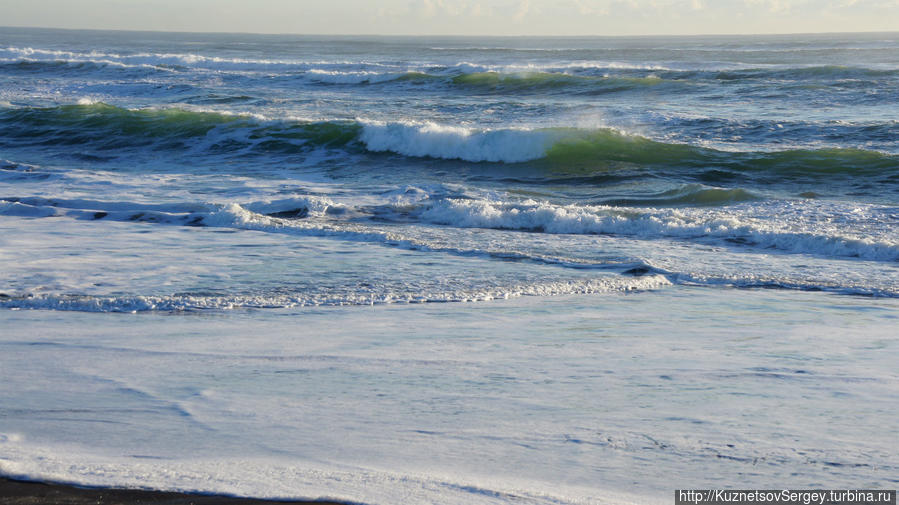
<point x="76" y="67"/>
<point x="688" y="194"/>
<point x="108" y="129"/>
<point x="537" y="81"/>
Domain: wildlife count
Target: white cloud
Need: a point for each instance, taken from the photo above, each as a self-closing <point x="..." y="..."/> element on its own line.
<point x="773" y="6"/>
<point x="524" y="7"/>
<point x="462" y="17"/>
<point x="429" y="9"/>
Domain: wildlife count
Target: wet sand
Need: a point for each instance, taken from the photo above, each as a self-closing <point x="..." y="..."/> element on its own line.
<point x="15" y="492"/>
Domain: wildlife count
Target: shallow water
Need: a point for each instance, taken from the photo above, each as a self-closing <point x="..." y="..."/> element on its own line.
<point x="570" y="399"/>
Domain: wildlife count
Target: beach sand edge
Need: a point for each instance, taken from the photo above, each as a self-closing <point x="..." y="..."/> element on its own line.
<point x="23" y="492"/>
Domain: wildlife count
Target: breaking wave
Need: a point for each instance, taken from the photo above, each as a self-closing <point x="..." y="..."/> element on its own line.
<point x="823" y="229"/>
<point x="107" y="129"/>
<point x="827" y="229"/>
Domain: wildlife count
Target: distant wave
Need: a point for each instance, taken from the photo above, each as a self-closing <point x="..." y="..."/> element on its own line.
<point x="512" y="82"/>
<point x="481" y="79"/>
<point x="188" y="60"/>
<point x="807" y="72"/>
<point x="364" y="77"/>
<point x="70" y="67"/>
<point x="597" y="77"/>
<point x="592" y="51"/>
<point x="600" y="75"/>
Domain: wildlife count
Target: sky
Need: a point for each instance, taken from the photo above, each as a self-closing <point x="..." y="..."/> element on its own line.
<point x="460" y="17"/>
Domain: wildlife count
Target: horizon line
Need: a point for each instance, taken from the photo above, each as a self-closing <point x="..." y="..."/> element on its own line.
<point x="400" y="35"/>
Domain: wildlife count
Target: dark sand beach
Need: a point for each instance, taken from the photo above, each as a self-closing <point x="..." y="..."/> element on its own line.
<point x="16" y="492"/>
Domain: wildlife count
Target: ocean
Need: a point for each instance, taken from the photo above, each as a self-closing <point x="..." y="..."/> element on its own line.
<point x="451" y="270"/>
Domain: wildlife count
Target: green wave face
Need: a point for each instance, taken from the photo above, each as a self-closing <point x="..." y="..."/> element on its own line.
<point x="578" y="149"/>
<point x="514" y="82"/>
<point x="823" y="161"/>
<point x="107" y="127"/>
<point x="690" y="194"/>
<point x="417" y="77"/>
<point x="100" y="116"/>
<point x="583" y="148"/>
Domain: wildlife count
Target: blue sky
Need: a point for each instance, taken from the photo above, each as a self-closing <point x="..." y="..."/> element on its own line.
<point x="461" y="17"/>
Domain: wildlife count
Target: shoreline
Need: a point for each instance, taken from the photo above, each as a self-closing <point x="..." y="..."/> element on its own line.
<point x="25" y="492"/>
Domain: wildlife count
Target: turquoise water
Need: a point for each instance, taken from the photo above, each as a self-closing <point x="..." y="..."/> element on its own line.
<point x="449" y="270"/>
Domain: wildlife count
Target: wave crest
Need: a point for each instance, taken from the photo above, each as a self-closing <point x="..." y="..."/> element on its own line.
<point x="454" y="142"/>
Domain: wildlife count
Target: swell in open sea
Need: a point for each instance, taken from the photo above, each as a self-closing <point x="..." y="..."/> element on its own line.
<point x="223" y="248"/>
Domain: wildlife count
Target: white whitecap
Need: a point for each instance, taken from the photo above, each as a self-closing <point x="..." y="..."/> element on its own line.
<point x="456" y="142"/>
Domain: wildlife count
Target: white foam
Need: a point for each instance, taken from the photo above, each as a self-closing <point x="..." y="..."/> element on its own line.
<point x="173" y="60"/>
<point x="315" y="206"/>
<point x="456" y="142"/>
<point x="338" y="77"/>
<point x="139" y="59"/>
<point x="824" y="229"/>
<point x="465" y="67"/>
<point x="8" y="208"/>
<point x="288" y="479"/>
<point x="830" y="229"/>
<point x="605" y="284"/>
<point x="407" y="404"/>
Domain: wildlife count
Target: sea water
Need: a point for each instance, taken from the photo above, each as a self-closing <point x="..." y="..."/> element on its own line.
<point x="449" y="270"/>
